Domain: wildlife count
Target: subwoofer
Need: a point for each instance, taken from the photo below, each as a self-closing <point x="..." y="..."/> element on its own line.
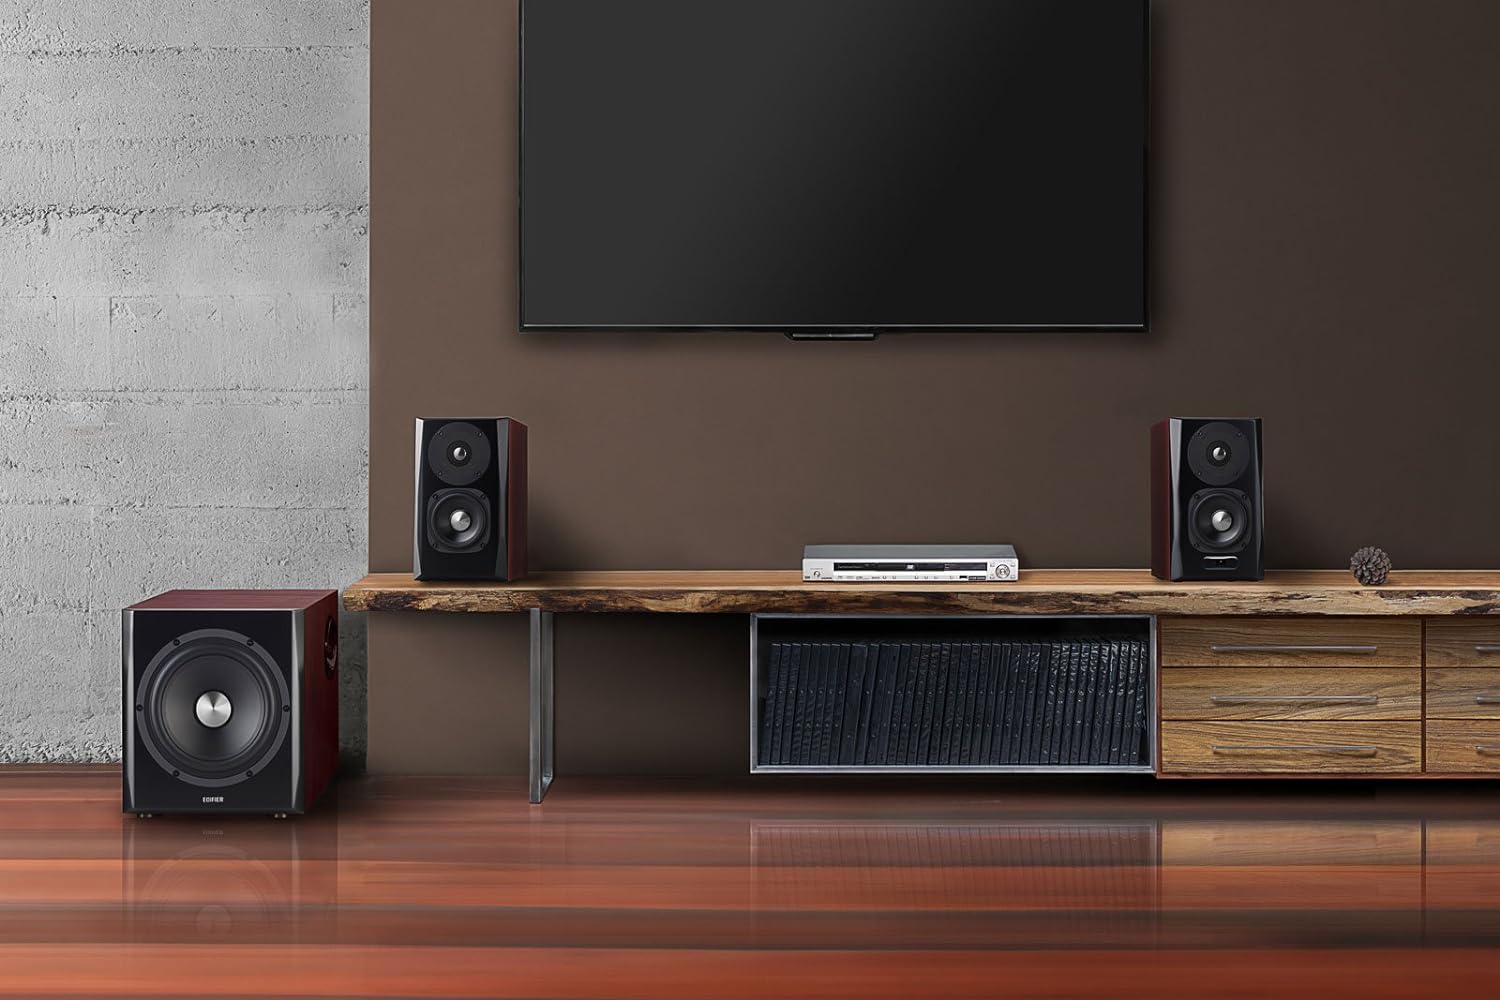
<point x="1207" y="514"/>
<point x="231" y="701"/>
<point x="471" y="499"/>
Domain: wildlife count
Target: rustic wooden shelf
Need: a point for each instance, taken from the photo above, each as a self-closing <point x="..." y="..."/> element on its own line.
<point x="1050" y="591"/>
<point x="1304" y="594"/>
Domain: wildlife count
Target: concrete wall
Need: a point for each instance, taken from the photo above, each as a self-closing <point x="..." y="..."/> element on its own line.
<point x="184" y="213"/>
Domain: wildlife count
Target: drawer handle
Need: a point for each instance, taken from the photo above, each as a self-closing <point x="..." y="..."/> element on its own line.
<point x="1487" y="699"/>
<point x="1357" y="650"/>
<point x="1296" y="699"/>
<point x="1486" y="748"/>
<point x="1487" y="648"/>
<point x="1351" y="748"/>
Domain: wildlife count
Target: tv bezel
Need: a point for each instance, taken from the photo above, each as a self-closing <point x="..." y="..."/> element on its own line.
<point x="851" y="331"/>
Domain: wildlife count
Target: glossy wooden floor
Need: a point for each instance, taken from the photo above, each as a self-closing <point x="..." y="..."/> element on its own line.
<point x="614" y="889"/>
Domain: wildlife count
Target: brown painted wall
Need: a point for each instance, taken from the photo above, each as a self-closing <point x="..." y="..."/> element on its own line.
<point x="1325" y="256"/>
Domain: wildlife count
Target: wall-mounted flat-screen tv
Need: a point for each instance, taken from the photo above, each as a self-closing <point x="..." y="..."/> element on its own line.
<point x="835" y="166"/>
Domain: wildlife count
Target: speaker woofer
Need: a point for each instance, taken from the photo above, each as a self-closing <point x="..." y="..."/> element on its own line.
<point x="213" y="708"/>
<point x="458" y="520"/>
<point x="459" y="453"/>
<point x="1219" y="520"/>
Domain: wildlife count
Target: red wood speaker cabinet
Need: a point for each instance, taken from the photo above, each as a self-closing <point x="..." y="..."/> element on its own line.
<point x="1207" y="514"/>
<point x="230" y="701"/>
<point x="471" y="499"/>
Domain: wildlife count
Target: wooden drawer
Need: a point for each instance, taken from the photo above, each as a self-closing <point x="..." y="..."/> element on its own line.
<point x="1272" y="642"/>
<point x="1291" y="693"/>
<point x="1291" y="747"/>
<point x="1463" y="693"/>
<point x="1463" y="746"/>
<point x="1463" y="642"/>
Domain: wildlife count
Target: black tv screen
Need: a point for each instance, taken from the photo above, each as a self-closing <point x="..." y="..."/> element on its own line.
<point x="833" y="165"/>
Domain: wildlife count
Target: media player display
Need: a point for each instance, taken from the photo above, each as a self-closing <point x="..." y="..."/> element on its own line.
<point x="831" y="164"/>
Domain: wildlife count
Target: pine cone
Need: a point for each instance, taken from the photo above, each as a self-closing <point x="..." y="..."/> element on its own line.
<point x="1370" y="566"/>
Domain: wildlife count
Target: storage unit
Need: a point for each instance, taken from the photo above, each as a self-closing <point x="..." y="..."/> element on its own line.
<point x="1338" y="695"/>
<point x="1463" y="696"/>
<point x="1305" y="673"/>
<point x="852" y="693"/>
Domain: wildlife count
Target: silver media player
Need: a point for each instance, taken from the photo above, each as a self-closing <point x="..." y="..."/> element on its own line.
<point x="909" y="563"/>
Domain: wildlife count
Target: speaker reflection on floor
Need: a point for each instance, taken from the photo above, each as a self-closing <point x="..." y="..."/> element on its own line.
<point x="242" y="880"/>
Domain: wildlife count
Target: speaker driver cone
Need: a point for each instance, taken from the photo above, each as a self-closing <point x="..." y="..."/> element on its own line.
<point x="213" y="707"/>
<point x="1219" y="520"/>
<point x="458" y="520"/>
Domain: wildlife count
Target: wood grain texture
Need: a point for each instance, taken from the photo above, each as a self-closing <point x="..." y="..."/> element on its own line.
<point x="1084" y="592"/>
<point x="1463" y="643"/>
<point x="1272" y="642"/>
<point x="1291" y="747"/>
<point x="234" y="600"/>
<point x="443" y="887"/>
<point x="1463" y="693"/>
<point x="1468" y="746"/>
<point x="1267" y="693"/>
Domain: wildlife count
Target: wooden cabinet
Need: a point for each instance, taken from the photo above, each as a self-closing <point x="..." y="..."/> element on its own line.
<point x="1463" y="696"/>
<point x="1328" y="695"/>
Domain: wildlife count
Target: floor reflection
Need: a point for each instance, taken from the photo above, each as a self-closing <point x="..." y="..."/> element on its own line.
<point x="766" y="880"/>
<point x="1172" y="882"/>
<point x="232" y="880"/>
<point x="406" y="877"/>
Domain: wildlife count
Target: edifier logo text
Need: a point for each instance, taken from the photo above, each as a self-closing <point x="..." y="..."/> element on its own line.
<point x="213" y="798"/>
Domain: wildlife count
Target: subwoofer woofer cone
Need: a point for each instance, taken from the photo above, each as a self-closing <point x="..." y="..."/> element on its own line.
<point x="1219" y="520"/>
<point x="212" y="708"/>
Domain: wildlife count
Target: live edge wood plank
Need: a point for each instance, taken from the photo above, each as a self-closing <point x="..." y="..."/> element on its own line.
<point x="1081" y="591"/>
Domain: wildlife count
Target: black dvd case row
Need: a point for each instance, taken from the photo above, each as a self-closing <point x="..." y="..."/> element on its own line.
<point x="1065" y="702"/>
